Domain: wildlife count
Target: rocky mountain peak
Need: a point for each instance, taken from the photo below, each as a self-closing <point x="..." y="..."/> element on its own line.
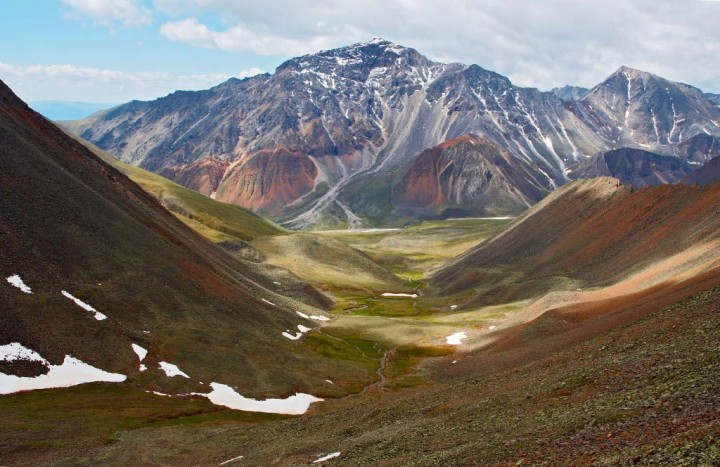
<point x="357" y="61"/>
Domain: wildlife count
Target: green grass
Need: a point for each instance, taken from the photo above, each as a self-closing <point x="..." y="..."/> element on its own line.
<point x="418" y="250"/>
<point x="65" y="423"/>
<point x="327" y="263"/>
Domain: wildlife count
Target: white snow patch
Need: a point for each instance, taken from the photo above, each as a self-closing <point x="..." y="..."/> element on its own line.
<point x="226" y="396"/>
<point x="313" y="317"/>
<point x="139" y="351"/>
<point x="16" y="281"/>
<point x="230" y="460"/>
<point x="329" y="382"/>
<point x="293" y="337"/>
<point x="276" y="283"/>
<point x="157" y="393"/>
<point x="390" y="294"/>
<point x="268" y="302"/>
<point x="172" y="370"/>
<point x="327" y="457"/>
<point x="456" y="339"/>
<point x="492" y="327"/>
<point x="70" y="373"/>
<point x="143" y="367"/>
<point x="319" y="318"/>
<point x="98" y="316"/>
<point x="454" y="362"/>
<point x="452" y="307"/>
<point x="16" y="351"/>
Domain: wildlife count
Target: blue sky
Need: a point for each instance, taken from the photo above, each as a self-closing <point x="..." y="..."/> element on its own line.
<point x="118" y="50"/>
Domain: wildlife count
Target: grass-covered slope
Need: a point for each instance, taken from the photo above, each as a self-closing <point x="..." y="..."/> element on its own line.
<point x="647" y="394"/>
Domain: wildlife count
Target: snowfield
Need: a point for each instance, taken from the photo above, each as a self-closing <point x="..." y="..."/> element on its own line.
<point x="226" y="396"/>
<point x="70" y="373"/>
<point x="172" y="370"/>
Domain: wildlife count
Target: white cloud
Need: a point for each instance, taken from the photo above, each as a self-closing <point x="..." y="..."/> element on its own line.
<point x="541" y="44"/>
<point x="109" y="13"/>
<point x="81" y="84"/>
<point x="240" y="39"/>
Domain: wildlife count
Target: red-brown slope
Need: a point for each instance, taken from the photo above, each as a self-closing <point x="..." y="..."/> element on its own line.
<point x="203" y="175"/>
<point x="69" y="221"/>
<point x="268" y="181"/>
<point x="471" y="174"/>
<point x="588" y="233"/>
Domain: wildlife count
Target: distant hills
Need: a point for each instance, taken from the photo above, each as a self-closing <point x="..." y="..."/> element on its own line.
<point x="331" y="137"/>
<point x="64" y="110"/>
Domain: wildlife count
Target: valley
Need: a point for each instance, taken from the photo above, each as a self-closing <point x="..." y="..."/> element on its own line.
<point x="366" y="257"/>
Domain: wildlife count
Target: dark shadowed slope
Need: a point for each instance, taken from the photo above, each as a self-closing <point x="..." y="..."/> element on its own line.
<point x="69" y="221"/>
<point x="705" y="175"/>
<point x="634" y="167"/>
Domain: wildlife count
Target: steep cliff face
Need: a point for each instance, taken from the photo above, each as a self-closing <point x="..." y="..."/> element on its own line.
<point x="469" y="175"/>
<point x="699" y="149"/>
<point x="365" y="111"/>
<point x="634" y="167"/>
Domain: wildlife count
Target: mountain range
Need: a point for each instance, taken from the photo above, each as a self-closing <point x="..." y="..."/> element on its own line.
<point x="334" y="137"/>
<point x="585" y="330"/>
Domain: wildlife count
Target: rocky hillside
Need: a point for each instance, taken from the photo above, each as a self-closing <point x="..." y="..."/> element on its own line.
<point x="327" y="126"/>
<point x="705" y="175"/>
<point x="634" y="167"/>
<point x="468" y="175"/>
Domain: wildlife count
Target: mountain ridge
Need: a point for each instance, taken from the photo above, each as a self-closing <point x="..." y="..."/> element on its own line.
<point x="365" y="110"/>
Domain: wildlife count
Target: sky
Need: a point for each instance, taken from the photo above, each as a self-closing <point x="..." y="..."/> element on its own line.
<point x="113" y="51"/>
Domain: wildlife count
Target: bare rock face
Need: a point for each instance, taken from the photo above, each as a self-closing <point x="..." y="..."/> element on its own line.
<point x="635" y="167"/>
<point x="269" y="180"/>
<point x="638" y="109"/>
<point x="699" y="149"/>
<point x="364" y="112"/>
<point x="705" y="175"/>
<point x="469" y="175"/>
